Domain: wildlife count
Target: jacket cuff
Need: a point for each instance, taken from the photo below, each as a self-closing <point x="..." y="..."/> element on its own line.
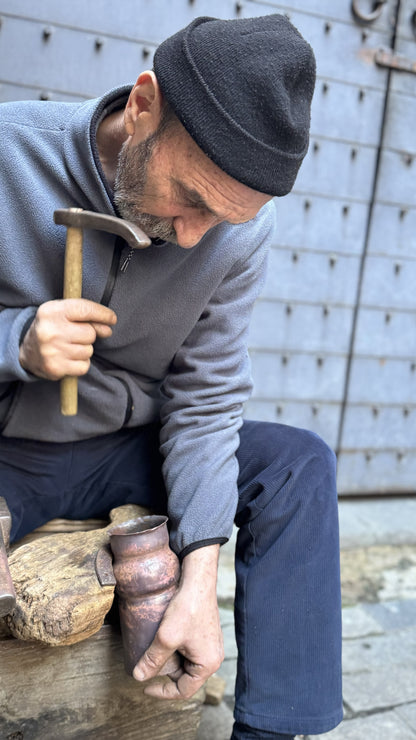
<point x="202" y="543"/>
<point x="25" y="328"/>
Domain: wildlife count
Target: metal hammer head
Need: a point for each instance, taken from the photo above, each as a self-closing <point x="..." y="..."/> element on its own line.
<point x="7" y="592"/>
<point x="77" y="217"/>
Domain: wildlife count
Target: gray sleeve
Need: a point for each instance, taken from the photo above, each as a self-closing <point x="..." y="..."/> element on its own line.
<point x="208" y="383"/>
<point x="14" y="323"/>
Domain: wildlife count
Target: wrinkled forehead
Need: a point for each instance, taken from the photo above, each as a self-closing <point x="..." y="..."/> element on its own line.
<point x="201" y="182"/>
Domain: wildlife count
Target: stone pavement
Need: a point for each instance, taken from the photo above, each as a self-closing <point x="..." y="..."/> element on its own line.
<point x="378" y="570"/>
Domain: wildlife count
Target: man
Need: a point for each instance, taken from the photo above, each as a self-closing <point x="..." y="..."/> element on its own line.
<point x="193" y="153"/>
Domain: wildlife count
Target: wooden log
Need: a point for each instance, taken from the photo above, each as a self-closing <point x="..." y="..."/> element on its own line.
<point x="81" y="691"/>
<point x="60" y="599"/>
<point x="60" y="526"/>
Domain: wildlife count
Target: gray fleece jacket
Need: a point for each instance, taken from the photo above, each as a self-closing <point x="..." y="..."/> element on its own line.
<point x="178" y="352"/>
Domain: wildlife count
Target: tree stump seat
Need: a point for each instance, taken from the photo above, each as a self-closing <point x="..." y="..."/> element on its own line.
<point x="78" y="689"/>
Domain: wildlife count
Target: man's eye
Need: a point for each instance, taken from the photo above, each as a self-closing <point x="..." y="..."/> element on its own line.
<point x="199" y="207"/>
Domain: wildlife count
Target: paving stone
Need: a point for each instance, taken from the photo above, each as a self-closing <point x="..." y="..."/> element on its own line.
<point x="381" y="688"/>
<point x="396" y="648"/>
<point x="408" y="714"/>
<point x="379" y="640"/>
<point x="384" y="726"/>
<point x="393" y="614"/>
<point x="398" y="584"/>
<point x="216" y="723"/>
<point x="357" y="623"/>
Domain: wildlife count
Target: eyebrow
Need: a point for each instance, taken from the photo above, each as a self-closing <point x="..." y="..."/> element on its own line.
<point x="193" y="197"/>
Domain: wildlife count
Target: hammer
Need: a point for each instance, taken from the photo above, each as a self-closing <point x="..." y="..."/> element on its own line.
<point x="7" y="592"/>
<point x="76" y="219"/>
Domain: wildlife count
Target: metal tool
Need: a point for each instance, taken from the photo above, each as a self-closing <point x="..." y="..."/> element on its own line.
<point x="7" y="592"/>
<point x="76" y="219"/>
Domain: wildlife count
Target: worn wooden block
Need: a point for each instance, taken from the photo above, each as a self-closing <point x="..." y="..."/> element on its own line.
<point x="214" y="690"/>
<point x="59" y="597"/>
<point x="81" y="691"/>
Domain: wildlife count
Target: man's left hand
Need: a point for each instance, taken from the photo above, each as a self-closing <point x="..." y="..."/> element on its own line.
<point x="190" y="625"/>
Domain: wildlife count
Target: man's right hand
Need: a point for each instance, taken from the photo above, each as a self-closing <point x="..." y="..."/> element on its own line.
<point x="61" y="337"/>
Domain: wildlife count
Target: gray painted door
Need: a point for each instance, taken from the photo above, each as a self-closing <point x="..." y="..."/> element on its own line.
<point x="333" y="335"/>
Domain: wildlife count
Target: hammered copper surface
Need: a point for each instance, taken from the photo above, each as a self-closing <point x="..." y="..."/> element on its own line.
<point x="147" y="573"/>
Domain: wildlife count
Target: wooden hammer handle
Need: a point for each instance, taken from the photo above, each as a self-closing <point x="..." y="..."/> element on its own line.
<point x="72" y="289"/>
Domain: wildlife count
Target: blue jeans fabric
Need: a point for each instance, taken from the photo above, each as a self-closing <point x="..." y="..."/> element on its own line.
<point x="287" y="606"/>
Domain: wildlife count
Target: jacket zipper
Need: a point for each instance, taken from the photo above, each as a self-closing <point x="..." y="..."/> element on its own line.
<point x="114" y="268"/>
<point x="14" y="392"/>
<point x="105" y="300"/>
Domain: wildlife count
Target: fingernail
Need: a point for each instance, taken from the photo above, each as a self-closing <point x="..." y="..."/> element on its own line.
<point x="138" y="674"/>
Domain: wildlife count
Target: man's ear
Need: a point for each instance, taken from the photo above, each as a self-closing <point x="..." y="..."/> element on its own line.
<point x="143" y="110"/>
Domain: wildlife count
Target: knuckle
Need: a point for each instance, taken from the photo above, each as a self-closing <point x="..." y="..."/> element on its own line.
<point x="44" y="333"/>
<point x="92" y="334"/>
<point x="51" y="369"/>
<point x="43" y="311"/>
<point x="84" y="367"/>
<point x="211" y="667"/>
<point x="167" y="640"/>
<point x="151" y="660"/>
<point x="215" y="665"/>
<point x="170" y="691"/>
<point x="84" y="308"/>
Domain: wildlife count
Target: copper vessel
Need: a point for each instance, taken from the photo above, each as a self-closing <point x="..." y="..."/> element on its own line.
<point x="147" y="574"/>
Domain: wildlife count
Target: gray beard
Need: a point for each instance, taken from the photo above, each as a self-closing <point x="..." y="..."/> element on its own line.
<point x="131" y="176"/>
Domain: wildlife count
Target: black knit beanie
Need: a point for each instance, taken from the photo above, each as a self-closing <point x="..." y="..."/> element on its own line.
<point x="242" y="89"/>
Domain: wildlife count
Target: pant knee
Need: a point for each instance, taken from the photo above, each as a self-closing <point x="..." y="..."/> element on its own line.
<point x="319" y="450"/>
<point x="284" y="467"/>
<point x="265" y="443"/>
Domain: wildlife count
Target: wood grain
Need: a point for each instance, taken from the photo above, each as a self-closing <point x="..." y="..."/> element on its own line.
<point x="60" y="600"/>
<point x="81" y="691"/>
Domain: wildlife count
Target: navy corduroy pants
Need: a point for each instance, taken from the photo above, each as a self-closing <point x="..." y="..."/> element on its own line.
<point x="287" y="606"/>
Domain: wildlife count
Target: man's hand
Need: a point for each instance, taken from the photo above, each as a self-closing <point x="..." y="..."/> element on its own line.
<point x="60" y="339"/>
<point x="191" y="625"/>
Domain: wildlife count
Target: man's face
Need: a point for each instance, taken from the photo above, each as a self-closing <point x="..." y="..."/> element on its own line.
<point x="173" y="191"/>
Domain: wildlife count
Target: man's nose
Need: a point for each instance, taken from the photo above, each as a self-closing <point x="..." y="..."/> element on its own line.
<point x="191" y="228"/>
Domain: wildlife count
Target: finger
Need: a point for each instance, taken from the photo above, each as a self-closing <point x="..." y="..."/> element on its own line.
<point x="165" y="688"/>
<point x="152" y="661"/>
<point x="76" y="368"/>
<point x="75" y="362"/>
<point x="173" y="675"/>
<point x="82" y="309"/>
<point x="183" y="688"/>
<point x="102" y="330"/>
<point x="75" y="352"/>
<point x="80" y="334"/>
<point x="87" y="332"/>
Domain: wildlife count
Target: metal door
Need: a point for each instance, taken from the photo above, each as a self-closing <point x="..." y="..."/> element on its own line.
<point x="333" y="338"/>
<point x="377" y="437"/>
<point x="333" y="335"/>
